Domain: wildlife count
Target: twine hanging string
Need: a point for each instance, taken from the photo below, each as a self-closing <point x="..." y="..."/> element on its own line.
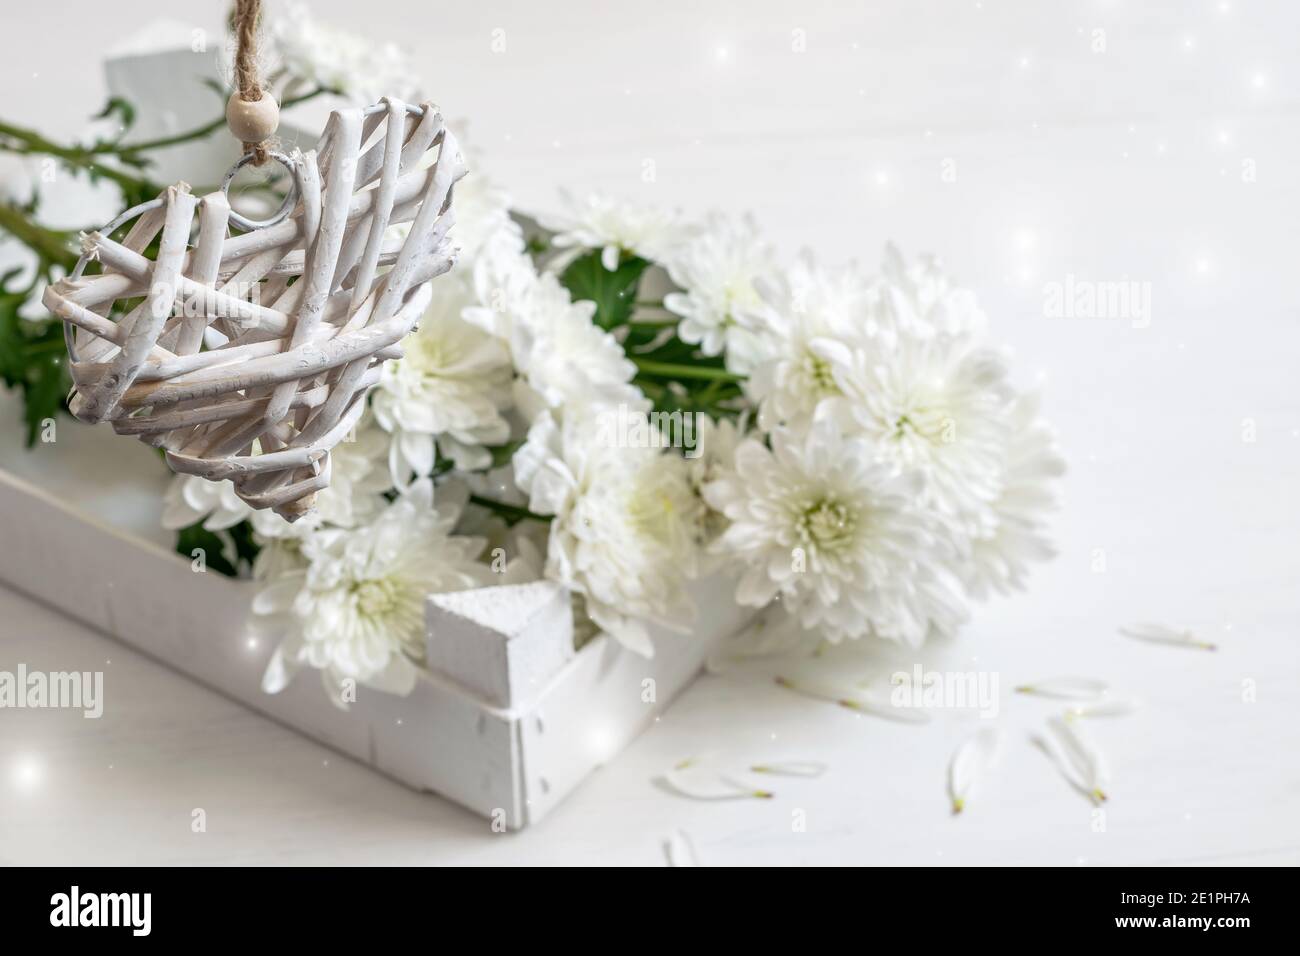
<point x="247" y="18"/>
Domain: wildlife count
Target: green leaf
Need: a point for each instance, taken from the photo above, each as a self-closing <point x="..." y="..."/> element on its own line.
<point x="32" y="359"/>
<point x="227" y="552"/>
<point x="246" y="548"/>
<point x="135" y="161"/>
<point x="44" y="392"/>
<point x="501" y="454"/>
<point x="11" y="363"/>
<point x="511" y="514"/>
<point x="116" y="106"/>
<point x="197" y="537"/>
<point x="717" y="399"/>
<point x="221" y="89"/>
<point x="614" y="292"/>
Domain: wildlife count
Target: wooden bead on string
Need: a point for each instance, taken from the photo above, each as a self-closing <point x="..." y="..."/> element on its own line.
<point x="252" y="113"/>
<point x="252" y="121"/>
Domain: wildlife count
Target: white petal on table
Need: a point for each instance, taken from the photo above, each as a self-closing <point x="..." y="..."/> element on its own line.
<point x="1075" y="755"/>
<point x="713" y="776"/>
<point x="971" y="761"/>
<point x="704" y="778"/>
<point x="1160" y="634"/>
<point x="791" y="768"/>
<point x="679" y="850"/>
<point x="1066" y="688"/>
<point x="851" y="698"/>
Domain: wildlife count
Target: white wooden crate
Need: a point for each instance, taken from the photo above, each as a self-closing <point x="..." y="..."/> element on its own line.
<point x="507" y="722"/>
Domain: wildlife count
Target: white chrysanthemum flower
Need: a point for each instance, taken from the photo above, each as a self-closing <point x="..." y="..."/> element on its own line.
<point x="356" y="610"/>
<point x="817" y="522"/>
<point x="625" y="525"/>
<point x="515" y="553"/>
<point x="190" y="499"/>
<point x="359" y="68"/>
<point x="614" y="227"/>
<point x="921" y="298"/>
<point x="717" y="271"/>
<point x="451" y="385"/>
<point x="799" y="308"/>
<point x="483" y="219"/>
<point x="355" y="493"/>
<point x="278" y="557"/>
<point x="564" y="357"/>
<point x="502" y="275"/>
<point x="715" y="456"/>
<point x="1000" y="560"/>
<point x="937" y="405"/>
<point x="716" y="442"/>
<point x="358" y="479"/>
<point x="561" y="355"/>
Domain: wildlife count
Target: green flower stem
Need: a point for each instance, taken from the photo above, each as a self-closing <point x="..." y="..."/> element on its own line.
<point x="710" y="392"/>
<point x="204" y="130"/>
<point x="675" y="370"/>
<point x="509" y="512"/>
<point x="17" y="139"/>
<point x="49" y="244"/>
<point x="654" y="390"/>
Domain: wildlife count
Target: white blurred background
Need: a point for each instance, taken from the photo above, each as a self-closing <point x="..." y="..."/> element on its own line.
<point x="1154" y="142"/>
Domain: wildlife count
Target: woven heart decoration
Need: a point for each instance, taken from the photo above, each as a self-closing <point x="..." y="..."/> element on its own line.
<point x="246" y="349"/>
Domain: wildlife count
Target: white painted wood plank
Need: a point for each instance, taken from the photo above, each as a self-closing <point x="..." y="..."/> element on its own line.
<point x="1199" y="528"/>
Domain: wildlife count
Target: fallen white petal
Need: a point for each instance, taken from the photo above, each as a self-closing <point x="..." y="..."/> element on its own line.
<point x="1090" y="761"/>
<point x="791" y="768"/>
<point x="975" y="756"/>
<point x="679" y="850"/>
<point x="1050" y="746"/>
<point x="853" y="699"/>
<point x="1076" y="757"/>
<point x="1066" y="688"/>
<point x="714" y="776"/>
<point x="1160" y="634"/>
<point x="701" y="779"/>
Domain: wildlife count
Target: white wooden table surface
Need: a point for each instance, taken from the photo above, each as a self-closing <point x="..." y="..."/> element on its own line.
<point x="1123" y="164"/>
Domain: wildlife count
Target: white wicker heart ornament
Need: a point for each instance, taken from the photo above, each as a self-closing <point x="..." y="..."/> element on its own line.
<point x="246" y="349"/>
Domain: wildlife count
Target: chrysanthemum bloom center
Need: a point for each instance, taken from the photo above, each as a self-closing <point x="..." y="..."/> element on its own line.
<point x="430" y="355"/>
<point x="925" y="422"/>
<point x="377" y="598"/>
<point x="659" y="508"/>
<point x="650" y="510"/>
<point x="738" y="294"/>
<point x="819" y="375"/>
<point x="827" y="524"/>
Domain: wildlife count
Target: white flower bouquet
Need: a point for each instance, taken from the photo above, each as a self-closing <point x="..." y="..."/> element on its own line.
<point x="617" y="399"/>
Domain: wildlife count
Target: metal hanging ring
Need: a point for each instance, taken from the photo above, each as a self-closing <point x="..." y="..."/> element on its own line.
<point x="286" y="207"/>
